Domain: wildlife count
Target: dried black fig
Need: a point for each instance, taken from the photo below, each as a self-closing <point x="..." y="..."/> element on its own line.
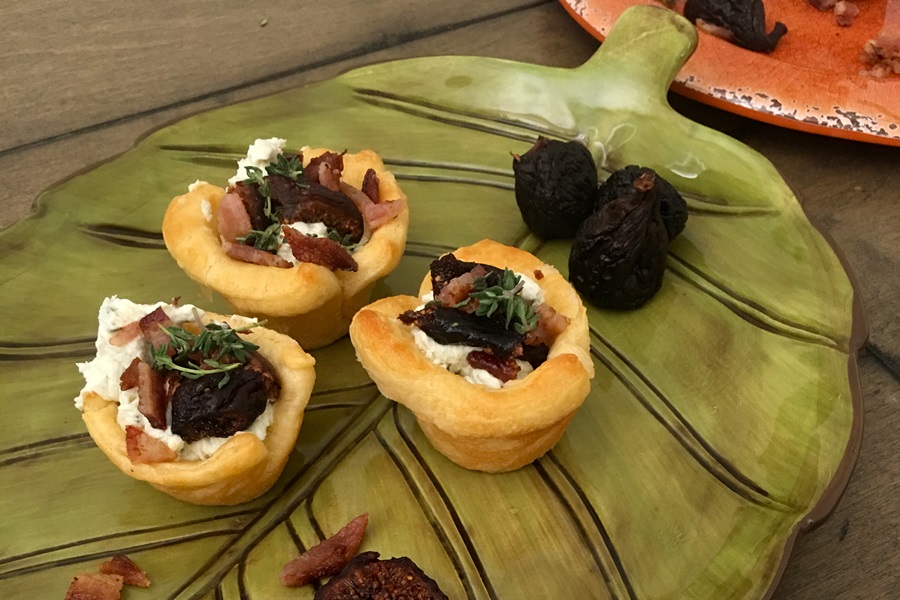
<point x="448" y="267"/>
<point x="555" y="187"/>
<point x="618" y="256"/>
<point x="367" y="578"/>
<point x="672" y="207"/>
<point x="744" y="22"/>
<point x="200" y="408"/>
<point x="451" y="326"/>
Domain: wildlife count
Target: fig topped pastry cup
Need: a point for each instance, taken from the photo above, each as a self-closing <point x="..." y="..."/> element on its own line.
<point x="477" y="427"/>
<point x="309" y="302"/>
<point x="242" y="468"/>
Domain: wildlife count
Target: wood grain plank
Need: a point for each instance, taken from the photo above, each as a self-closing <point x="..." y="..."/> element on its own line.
<point x="166" y="52"/>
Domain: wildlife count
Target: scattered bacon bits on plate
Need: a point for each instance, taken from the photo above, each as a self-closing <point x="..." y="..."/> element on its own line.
<point x="124" y="566"/>
<point x="89" y="586"/>
<point x="114" y="573"/>
<point x="328" y="557"/>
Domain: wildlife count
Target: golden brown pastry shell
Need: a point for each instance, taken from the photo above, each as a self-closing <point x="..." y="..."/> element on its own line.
<point x="308" y="302"/>
<point x="245" y="466"/>
<point x="478" y="427"/>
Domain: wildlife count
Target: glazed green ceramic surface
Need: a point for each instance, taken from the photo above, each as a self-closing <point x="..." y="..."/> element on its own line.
<point x="720" y="413"/>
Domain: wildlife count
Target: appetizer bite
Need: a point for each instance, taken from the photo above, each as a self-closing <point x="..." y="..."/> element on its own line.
<point x="296" y="239"/>
<point x="492" y="357"/>
<point x="204" y="407"/>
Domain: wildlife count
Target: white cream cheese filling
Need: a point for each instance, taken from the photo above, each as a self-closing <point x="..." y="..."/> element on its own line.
<point x="102" y="375"/>
<point x="453" y="356"/>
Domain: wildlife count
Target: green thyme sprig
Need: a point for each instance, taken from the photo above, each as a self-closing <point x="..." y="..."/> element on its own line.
<point x="335" y="236"/>
<point x="291" y="167"/>
<point x="506" y="298"/>
<point x="221" y="348"/>
<point x="268" y="239"/>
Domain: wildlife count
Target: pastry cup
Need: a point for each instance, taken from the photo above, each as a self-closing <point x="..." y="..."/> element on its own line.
<point x="245" y="466"/>
<point x="308" y="302"/>
<point x="476" y="427"/>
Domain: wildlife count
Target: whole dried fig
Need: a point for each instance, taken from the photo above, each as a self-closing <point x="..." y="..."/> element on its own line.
<point x="555" y="187"/>
<point x="618" y="256"/>
<point x="672" y="207"/>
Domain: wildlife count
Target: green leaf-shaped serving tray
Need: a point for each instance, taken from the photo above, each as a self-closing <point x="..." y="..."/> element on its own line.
<point x="723" y="420"/>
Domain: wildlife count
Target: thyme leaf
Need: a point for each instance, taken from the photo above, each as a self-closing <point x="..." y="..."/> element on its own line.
<point x="268" y="239"/>
<point x="334" y="235"/>
<point x="506" y="298"/>
<point x="216" y="349"/>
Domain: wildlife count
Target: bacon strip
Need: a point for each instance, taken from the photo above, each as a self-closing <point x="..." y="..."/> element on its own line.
<point x="375" y="215"/>
<point x="123" y="566"/>
<point x="88" y="586"/>
<point x="319" y="251"/>
<point x="550" y="324"/>
<point x="125" y="334"/>
<point x="328" y="557"/>
<point x="251" y="254"/>
<point x="150" y="326"/>
<point x="152" y="395"/>
<point x="144" y="449"/>
<point x="504" y="370"/>
<point x="232" y="217"/>
<point x="129" y="377"/>
<point x="370" y="186"/>
<point x="325" y="169"/>
<point x="457" y="289"/>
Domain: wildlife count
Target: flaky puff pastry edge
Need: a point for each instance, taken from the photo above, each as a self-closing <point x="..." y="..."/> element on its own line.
<point x="478" y="427"/>
<point x="244" y="467"/>
<point x="309" y="302"/>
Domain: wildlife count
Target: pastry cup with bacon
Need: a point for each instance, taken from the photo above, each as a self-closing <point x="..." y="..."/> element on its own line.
<point x="476" y="426"/>
<point x="313" y="303"/>
<point x="240" y="469"/>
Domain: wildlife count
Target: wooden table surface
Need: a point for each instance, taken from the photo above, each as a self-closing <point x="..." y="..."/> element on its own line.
<point x="81" y="81"/>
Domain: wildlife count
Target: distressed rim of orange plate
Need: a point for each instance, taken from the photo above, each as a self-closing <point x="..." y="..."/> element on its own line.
<point x="770" y="88"/>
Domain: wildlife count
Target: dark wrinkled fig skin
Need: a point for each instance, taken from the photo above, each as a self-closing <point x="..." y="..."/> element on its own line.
<point x="200" y="409"/>
<point x="448" y="267"/>
<point x="314" y="203"/>
<point x="745" y="19"/>
<point x="254" y="204"/>
<point x="555" y="187"/>
<point x="672" y="206"/>
<point x="618" y="256"/>
<point x="451" y="326"/>
<point x="367" y="578"/>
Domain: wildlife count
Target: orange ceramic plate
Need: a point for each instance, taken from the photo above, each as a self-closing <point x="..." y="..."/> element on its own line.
<point x="811" y="82"/>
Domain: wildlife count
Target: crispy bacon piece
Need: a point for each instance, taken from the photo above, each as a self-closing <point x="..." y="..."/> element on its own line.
<point x="88" y="586"/>
<point x="370" y="186"/>
<point x="232" y="217"/>
<point x="129" y="377"/>
<point x="325" y="169"/>
<point x="504" y="370"/>
<point x="254" y="255"/>
<point x="319" y="251"/>
<point x="458" y="288"/>
<point x="125" y="567"/>
<point x="328" y="557"/>
<point x="125" y="334"/>
<point x="152" y="395"/>
<point x="549" y="325"/>
<point x="150" y="326"/>
<point x="375" y="215"/>
<point x="144" y="450"/>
